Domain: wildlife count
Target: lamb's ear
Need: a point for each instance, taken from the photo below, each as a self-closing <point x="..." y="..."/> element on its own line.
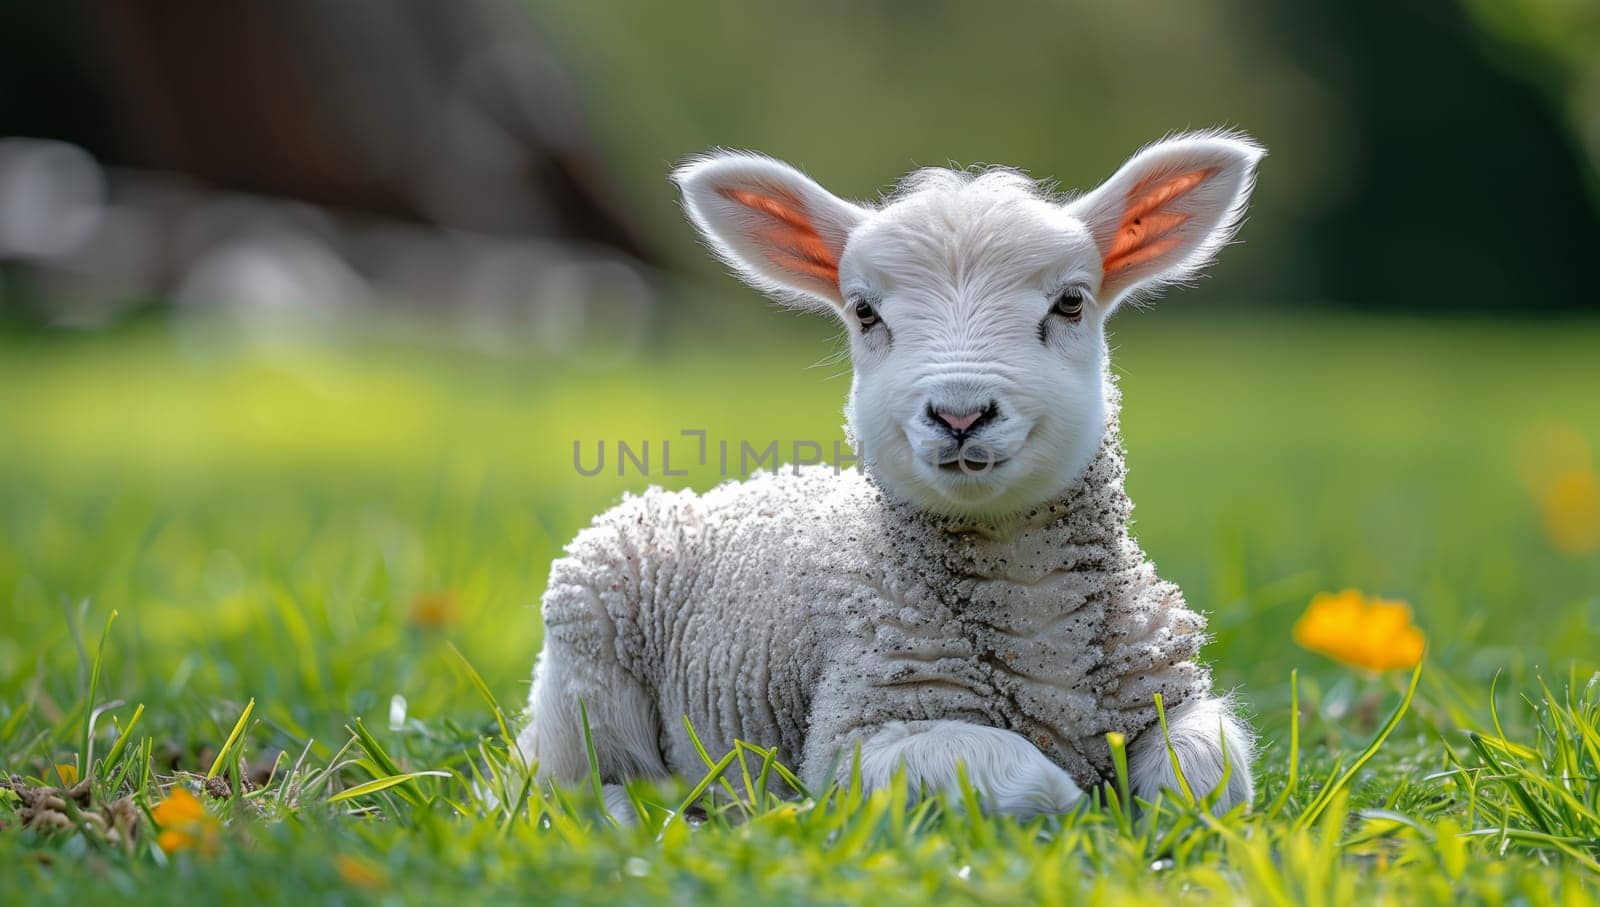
<point x="1169" y="209"/>
<point x="773" y="224"/>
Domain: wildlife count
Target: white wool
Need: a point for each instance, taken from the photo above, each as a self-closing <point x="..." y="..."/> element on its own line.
<point x="974" y="599"/>
<point x="805" y="610"/>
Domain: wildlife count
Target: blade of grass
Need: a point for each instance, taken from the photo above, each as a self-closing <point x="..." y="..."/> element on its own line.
<point x="1325" y="796"/>
<point x="1122" y="806"/>
<point x="476" y="680"/>
<point x="699" y="790"/>
<point x="594" y="765"/>
<point x="749" y="782"/>
<point x="378" y="784"/>
<point x="117" y="748"/>
<point x="1172" y="754"/>
<point x="1512" y="780"/>
<point x="517" y="807"/>
<point x="373" y="748"/>
<point x="218" y="763"/>
<point x="1293" y="778"/>
<point x="384" y="763"/>
<point x="1568" y="846"/>
<point x="705" y="757"/>
<point x="86" y="752"/>
<point x="9" y="729"/>
<point x="769" y="758"/>
<point x="979" y="825"/>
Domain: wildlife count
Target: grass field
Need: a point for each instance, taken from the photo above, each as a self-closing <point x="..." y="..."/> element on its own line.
<point x="307" y="534"/>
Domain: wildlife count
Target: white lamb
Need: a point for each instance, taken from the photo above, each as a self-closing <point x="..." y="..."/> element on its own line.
<point x="973" y="597"/>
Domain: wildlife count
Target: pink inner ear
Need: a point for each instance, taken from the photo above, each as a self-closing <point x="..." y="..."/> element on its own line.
<point x="789" y="239"/>
<point x="1149" y="227"/>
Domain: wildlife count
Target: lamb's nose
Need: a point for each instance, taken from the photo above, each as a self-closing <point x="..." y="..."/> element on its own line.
<point x="962" y="424"/>
<point x="958" y="422"/>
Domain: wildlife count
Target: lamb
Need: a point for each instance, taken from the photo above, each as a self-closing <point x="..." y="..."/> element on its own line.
<point x="970" y="598"/>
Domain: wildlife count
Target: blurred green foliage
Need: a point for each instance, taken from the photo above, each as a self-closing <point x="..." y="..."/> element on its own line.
<point x="1419" y="159"/>
<point x="1556" y="45"/>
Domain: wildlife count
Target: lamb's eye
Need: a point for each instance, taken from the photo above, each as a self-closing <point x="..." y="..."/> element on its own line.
<point x="866" y="315"/>
<point x="1069" y="305"/>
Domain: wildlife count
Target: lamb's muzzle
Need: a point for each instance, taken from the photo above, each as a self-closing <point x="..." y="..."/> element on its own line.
<point x="998" y="618"/>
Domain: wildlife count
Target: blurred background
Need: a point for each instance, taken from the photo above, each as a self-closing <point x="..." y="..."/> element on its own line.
<point x="304" y="304"/>
<point x="481" y="159"/>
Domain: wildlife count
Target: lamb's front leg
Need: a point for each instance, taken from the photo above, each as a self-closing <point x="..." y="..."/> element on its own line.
<point x="1206" y="735"/>
<point x="1009" y="773"/>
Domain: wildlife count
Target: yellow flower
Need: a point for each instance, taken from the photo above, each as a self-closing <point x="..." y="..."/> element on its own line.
<point x="358" y="872"/>
<point x="1570" y="507"/>
<point x="1362" y="632"/>
<point x="1548" y="450"/>
<point x="433" y="611"/>
<point x="1554" y="461"/>
<point x="184" y="822"/>
<point x="68" y="773"/>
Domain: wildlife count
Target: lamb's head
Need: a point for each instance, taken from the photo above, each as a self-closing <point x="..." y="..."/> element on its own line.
<point x="975" y="302"/>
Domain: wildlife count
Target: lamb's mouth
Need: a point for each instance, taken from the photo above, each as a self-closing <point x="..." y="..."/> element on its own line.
<point x="968" y="464"/>
<point x="975" y="458"/>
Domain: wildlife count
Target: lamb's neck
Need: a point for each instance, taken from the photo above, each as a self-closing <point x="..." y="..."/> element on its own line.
<point x="1084" y="528"/>
<point x="1093" y="505"/>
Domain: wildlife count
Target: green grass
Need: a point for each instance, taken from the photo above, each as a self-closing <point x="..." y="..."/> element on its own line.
<point x="325" y="558"/>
